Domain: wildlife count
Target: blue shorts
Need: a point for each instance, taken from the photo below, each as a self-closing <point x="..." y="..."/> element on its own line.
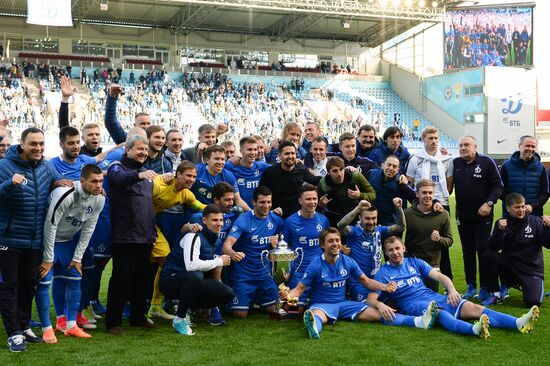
<point x="101" y="238"/>
<point x="262" y="291"/>
<point x="340" y="310"/>
<point x="358" y="292"/>
<point x="293" y="282"/>
<point x="63" y="255"/>
<point x="417" y="308"/>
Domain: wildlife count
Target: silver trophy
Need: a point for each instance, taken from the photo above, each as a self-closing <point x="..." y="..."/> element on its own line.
<point x="282" y="256"/>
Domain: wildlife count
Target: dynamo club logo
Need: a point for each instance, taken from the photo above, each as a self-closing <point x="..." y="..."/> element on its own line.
<point x="514" y="104"/>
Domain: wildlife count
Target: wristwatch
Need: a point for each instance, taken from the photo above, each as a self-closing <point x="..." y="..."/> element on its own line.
<point x="490" y="203"/>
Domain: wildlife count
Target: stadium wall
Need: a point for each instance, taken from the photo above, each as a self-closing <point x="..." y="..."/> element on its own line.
<point x="408" y="87"/>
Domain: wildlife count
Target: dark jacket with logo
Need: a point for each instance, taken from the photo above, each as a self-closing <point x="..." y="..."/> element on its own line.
<point x="131" y="200"/>
<point x="475" y="184"/>
<point x="521" y="243"/>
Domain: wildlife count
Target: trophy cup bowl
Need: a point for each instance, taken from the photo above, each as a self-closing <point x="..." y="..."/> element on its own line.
<point x="280" y="257"/>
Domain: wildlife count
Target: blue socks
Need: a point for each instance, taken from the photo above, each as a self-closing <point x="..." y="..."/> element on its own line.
<point x="454" y="325"/>
<point x="58" y="295"/>
<point x="401" y="320"/>
<point x="318" y="323"/>
<point x="73" y="295"/>
<point x="500" y="320"/>
<point x="42" y="299"/>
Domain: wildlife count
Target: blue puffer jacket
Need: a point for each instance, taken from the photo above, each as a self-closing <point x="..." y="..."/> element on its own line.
<point x="23" y="208"/>
<point x="524" y="178"/>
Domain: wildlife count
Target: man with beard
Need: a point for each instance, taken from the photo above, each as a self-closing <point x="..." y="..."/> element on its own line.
<point x="341" y="190"/>
<point x="90" y="132"/>
<point x="291" y="132"/>
<point x="285" y="179"/>
<point x="388" y="184"/>
<point x="156" y="161"/>
<point x="391" y="146"/>
<point x="365" y="241"/>
<point x="366" y="140"/>
<point x="71" y="161"/>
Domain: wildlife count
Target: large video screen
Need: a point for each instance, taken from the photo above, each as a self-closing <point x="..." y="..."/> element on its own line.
<point x="489" y="37"/>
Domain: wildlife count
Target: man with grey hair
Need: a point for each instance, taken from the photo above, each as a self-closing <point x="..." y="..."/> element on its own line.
<point x="525" y="174"/>
<point x="133" y="233"/>
<point x="477" y="186"/>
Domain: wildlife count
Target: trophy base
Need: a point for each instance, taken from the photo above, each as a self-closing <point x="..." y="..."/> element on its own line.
<point x="282" y="314"/>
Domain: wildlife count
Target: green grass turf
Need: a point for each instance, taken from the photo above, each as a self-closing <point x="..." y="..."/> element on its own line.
<point x="260" y="341"/>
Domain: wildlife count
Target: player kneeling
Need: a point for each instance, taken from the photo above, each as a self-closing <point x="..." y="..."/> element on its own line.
<point x="327" y="276"/>
<point x="188" y="273"/>
<point x="411" y="296"/>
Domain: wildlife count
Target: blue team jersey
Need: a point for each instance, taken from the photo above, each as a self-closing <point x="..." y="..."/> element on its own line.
<point x="71" y="171"/>
<point x="301" y="232"/>
<point x="112" y="156"/>
<point x="247" y="178"/>
<point x="327" y="282"/>
<point x="409" y="278"/>
<point x="202" y="189"/>
<point x="228" y="220"/>
<point x="252" y="236"/>
<point x="366" y="247"/>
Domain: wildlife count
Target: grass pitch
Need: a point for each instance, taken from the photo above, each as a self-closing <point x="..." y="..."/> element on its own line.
<point x="260" y="341"/>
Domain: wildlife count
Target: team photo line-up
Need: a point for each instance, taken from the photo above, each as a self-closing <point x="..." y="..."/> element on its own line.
<point x="187" y="229"/>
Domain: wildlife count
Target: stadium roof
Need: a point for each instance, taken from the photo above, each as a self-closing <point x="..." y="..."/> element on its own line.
<point x="368" y="22"/>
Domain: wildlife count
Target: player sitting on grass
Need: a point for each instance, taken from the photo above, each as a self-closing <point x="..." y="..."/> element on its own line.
<point x="327" y="276"/>
<point x="412" y="296"/>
